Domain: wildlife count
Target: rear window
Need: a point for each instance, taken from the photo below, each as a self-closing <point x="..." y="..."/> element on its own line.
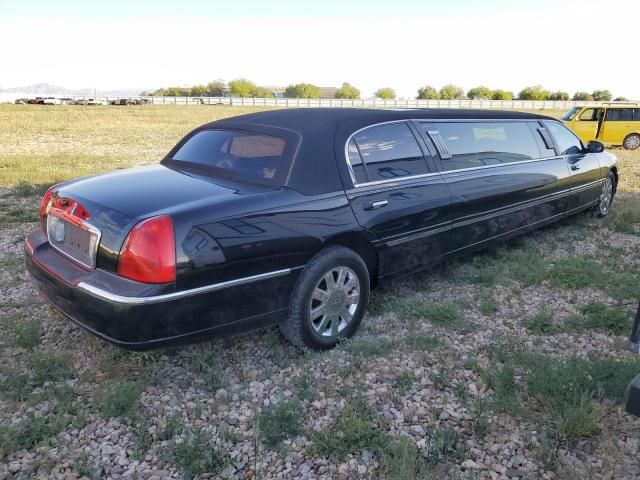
<point x="251" y="157"/>
<point x="620" y="115"/>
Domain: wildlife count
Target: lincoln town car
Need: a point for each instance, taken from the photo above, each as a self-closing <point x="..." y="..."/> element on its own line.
<point x="291" y="217"/>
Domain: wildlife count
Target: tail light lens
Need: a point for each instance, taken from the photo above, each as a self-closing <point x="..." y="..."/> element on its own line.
<point x="149" y="252"/>
<point x="45" y="205"/>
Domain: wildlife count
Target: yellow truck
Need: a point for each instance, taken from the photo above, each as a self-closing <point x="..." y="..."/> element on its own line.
<point x="609" y="123"/>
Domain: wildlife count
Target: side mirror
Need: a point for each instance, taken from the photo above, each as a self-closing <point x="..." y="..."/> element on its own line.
<point x="595" y="146"/>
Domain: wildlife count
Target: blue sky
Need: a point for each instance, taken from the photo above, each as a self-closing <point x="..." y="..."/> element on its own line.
<point x="402" y="44"/>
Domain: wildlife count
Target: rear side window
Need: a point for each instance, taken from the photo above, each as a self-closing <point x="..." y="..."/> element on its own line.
<point x="472" y="145"/>
<point x="636" y="114"/>
<point x="566" y="140"/>
<point x="590" y="115"/>
<point x="255" y="158"/>
<point x="620" y="115"/>
<point x="385" y="152"/>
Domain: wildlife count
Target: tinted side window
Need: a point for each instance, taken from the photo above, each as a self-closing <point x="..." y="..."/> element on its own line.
<point x="567" y="142"/>
<point x="491" y="143"/>
<point x="390" y="151"/>
<point x="357" y="167"/>
<point x="620" y="115"/>
<point x="636" y="114"/>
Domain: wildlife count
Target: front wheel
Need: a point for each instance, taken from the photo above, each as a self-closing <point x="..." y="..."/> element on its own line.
<point x="631" y="142"/>
<point x="329" y="299"/>
<point x="606" y="196"/>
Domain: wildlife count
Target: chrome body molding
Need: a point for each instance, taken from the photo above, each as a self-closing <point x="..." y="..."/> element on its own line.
<point x="167" y="297"/>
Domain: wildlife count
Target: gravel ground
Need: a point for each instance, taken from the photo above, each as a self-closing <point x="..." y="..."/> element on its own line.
<point x="91" y="410"/>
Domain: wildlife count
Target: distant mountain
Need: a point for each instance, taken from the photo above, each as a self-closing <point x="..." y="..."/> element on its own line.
<point x="46" y="89"/>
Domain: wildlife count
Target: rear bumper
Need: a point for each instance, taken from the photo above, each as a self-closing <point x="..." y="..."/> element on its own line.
<point x="140" y="316"/>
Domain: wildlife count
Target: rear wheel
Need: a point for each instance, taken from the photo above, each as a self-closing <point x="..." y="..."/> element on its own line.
<point x="329" y="299"/>
<point x="606" y="196"/>
<point x="631" y="142"/>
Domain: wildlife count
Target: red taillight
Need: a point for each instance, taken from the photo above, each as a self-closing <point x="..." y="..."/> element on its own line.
<point x="149" y="252"/>
<point x="45" y="205"/>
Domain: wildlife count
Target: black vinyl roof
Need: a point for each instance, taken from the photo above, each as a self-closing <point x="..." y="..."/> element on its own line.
<point x="322" y="134"/>
<point x="307" y="119"/>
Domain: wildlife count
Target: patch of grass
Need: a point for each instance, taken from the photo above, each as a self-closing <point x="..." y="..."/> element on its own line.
<point x="487" y="304"/>
<point x="354" y="430"/>
<point x="280" y="422"/>
<point x="576" y="272"/>
<point x="440" y="379"/>
<point x="419" y="341"/>
<point x="305" y="386"/>
<point x="541" y="322"/>
<point x="624" y="216"/>
<point x="598" y="316"/>
<point x="480" y="425"/>
<point x="402" y="460"/>
<point x="444" y="445"/>
<point x="441" y="314"/>
<point x="32" y="431"/>
<point x="25" y="189"/>
<point x="404" y="382"/>
<point x="82" y="467"/>
<point x="206" y="364"/>
<point x="368" y="347"/>
<point x="50" y="367"/>
<point x="505" y="389"/>
<point x="16" y="385"/>
<point x="27" y="334"/>
<point x="194" y="453"/>
<point x="120" y="398"/>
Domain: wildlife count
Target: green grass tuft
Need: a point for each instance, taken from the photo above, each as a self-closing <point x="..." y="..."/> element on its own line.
<point x="280" y="422"/>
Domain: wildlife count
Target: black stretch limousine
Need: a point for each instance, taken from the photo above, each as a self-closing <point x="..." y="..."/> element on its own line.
<point x="292" y="216"/>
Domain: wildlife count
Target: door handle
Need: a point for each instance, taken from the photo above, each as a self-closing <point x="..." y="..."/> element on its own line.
<point x="375" y="204"/>
<point x="575" y="167"/>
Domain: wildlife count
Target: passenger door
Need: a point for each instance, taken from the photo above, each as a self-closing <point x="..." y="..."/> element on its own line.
<point x="501" y="175"/>
<point x="586" y="180"/>
<point x="587" y="124"/>
<point x="398" y="195"/>
<point x="618" y="124"/>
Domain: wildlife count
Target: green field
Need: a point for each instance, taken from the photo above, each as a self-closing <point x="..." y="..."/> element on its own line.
<point x="44" y="144"/>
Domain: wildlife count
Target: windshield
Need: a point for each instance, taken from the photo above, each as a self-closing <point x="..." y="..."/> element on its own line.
<point x="571" y="114"/>
<point x="251" y="157"/>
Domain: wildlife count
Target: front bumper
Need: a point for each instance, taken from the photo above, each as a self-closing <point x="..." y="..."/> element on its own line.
<point x="141" y="316"/>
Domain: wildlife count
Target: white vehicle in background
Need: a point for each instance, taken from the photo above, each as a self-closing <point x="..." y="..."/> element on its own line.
<point x="96" y="101"/>
<point x="51" y="101"/>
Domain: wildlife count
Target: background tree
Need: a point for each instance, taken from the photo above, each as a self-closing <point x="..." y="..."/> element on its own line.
<point x="216" y="88"/>
<point x="347" y="91"/>
<point x="559" y="95"/>
<point x="451" y="92"/>
<point x="502" y="95"/>
<point x="602" y="95"/>
<point x="197" y="90"/>
<point x="427" y="93"/>
<point x="261" y="92"/>
<point x="385" y="93"/>
<point x="480" y="93"/>
<point x="537" y="92"/>
<point x="302" y="90"/>
<point x="583" y="97"/>
<point x="617" y="99"/>
<point x="241" y="87"/>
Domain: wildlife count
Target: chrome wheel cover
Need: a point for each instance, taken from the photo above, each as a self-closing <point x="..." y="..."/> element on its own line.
<point x="334" y="301"/>
<point x="606" y="196"/>
<point x="632" y="142"/>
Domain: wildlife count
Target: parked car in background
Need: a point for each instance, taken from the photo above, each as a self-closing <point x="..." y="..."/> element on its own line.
<point x="611" y="124"/>
<point x="51" y="101"/>
<point x="21" y="101"/>
<point x="96" y="101"/>
<point x="67" y="101"/>
<point x="292" y="216"/>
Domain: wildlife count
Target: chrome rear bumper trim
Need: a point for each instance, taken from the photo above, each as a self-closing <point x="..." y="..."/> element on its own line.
<point x="167" y="297"/>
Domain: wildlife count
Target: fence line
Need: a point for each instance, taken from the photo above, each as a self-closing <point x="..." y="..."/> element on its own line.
<point x="335" y="102"/>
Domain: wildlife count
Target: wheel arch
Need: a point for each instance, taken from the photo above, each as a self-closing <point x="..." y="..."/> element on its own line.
<point x="361" y="244"/>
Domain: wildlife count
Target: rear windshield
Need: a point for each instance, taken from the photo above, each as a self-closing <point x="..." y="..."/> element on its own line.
<point x="250" y="157"/>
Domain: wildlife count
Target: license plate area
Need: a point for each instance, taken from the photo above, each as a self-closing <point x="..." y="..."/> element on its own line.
<point x="73" y="237"/>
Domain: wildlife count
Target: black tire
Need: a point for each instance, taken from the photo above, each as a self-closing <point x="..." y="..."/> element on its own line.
<point x="299" y="328"/>
<point x="631" y="141"/>
<point x="603" y="207"/>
